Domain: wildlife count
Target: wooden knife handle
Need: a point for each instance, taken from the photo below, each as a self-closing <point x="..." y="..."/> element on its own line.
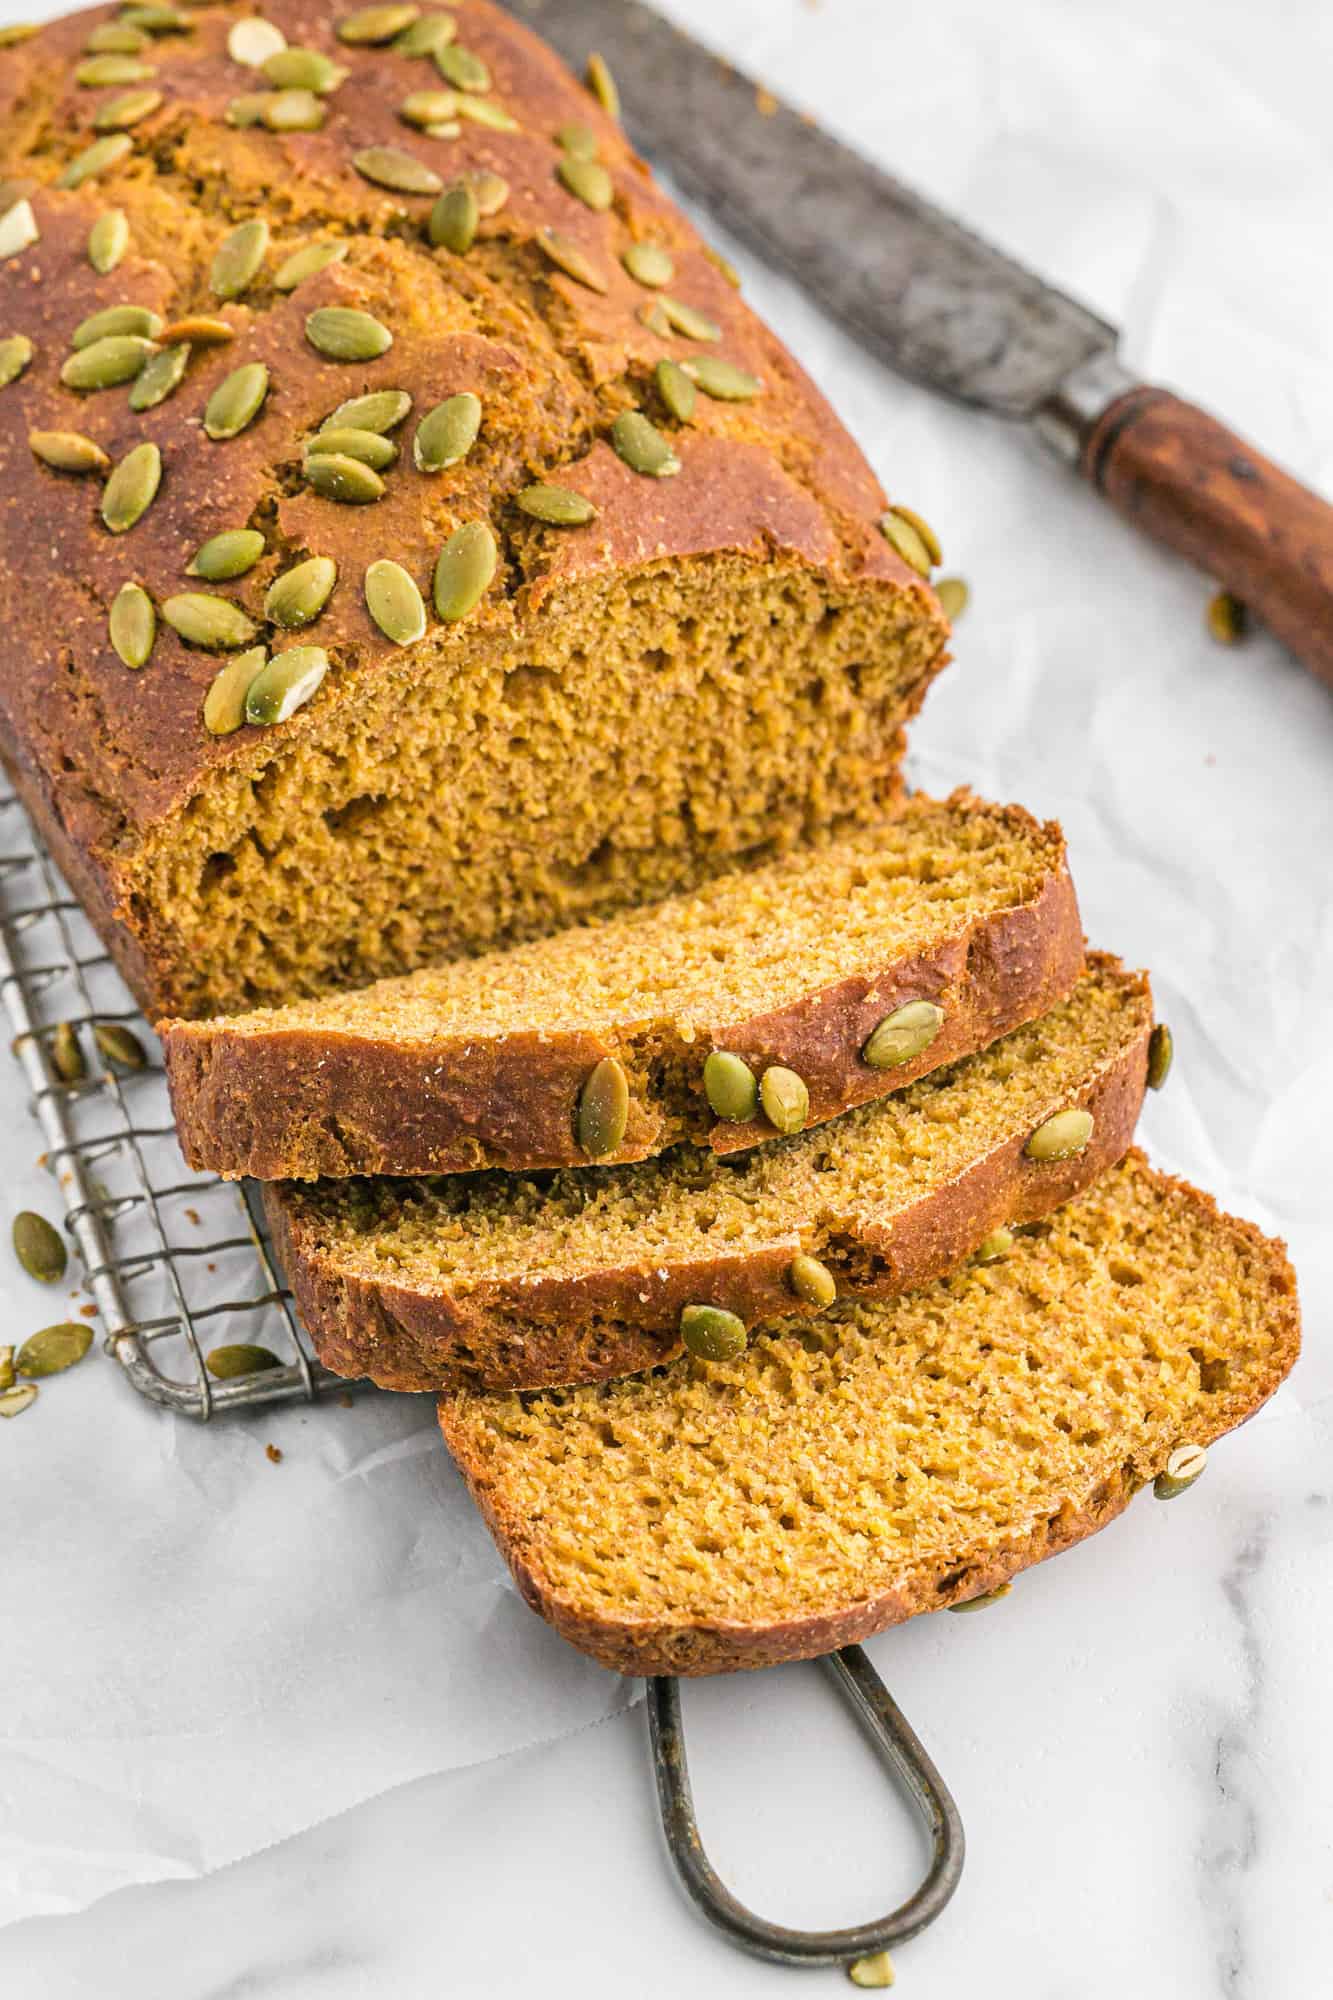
<point x="1191" y="483"/>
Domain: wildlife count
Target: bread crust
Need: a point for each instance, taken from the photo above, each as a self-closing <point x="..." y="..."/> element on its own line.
<point x="634" y="1646"/>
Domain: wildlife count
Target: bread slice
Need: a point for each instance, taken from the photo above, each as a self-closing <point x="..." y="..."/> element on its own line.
<point x="481" y="1063"/>
<point x="528" y="1282"/>
<point x="889" y="1459"/>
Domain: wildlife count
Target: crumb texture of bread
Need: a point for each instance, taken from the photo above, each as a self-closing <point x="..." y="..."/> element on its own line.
<point x="482" y="1062"/>
<point x="847" y="1474"/>
<point x="717" y="666"/>
<point x="525" y="1281"/>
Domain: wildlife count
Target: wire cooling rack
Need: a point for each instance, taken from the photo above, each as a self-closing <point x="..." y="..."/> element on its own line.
<point x="176" y="1262"/>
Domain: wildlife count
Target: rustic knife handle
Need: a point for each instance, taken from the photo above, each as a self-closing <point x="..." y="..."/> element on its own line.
<point x="1189" y="482"/>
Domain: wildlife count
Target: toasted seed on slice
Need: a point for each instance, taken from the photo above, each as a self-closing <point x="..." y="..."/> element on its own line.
<point x="113" y="320"/>
<point x="953" y="594"/>
<point x="132" y="487"/>
<point x="812" y="1281"/>
<point x="247" y="109"/>
<point x="424" y="35"/>
<point x="118" y="114"/>
<point x="1161" y="1049"/>
<point x="603" y="85"/>
<point x="213" y="623"/>
<point x="1187" y="1463"/>
<point x="464" y="569"/>
<point x="722" y="264"/>
<point x="656" y="321"/>
<point x="391" y="167"/>
<point x="904" y="539"/>
<point x="447" y="433"/>
<point x="369" y="446"/>
<point x="13" y="1402"/>
<point x="200" y="330"/>
<point x="556" y="506"/>
<point x="119" y="1044"/>
<point x="15" y="32"/>
<point x="228" y="554"/>
<point x="238" y="257"/>
<point x="18" y="230"/>
<point x="306" y="262"/>
<point x="292" y="111"/>
<point x="382" y="410"/>
<point x="224" y="704"/>
<point x="113" y="38"/>
<point x="227" y="1364"/>
<point x="303" y="69"/>
<point x="67" y="1058"/>
<point x="251" y="42"/>
<point x="54" y="1349"/>
<point x="107" y="363"/>
<point x="428" y="107"/>
<point x="641" y="445"/>
<point x="903" y="1035"/>
<point x="344" y="333"/>
<point x="688" y="320"/>
<point x="39" y="1248"/>
<point x="461" y="67"/>
<point x="369" y="26"/>
<point x="16" y="351"/>
<point x="158" y="20"/>
<point x="96" y="159"/>
<point x="132" y="623"/>
<point x="395" y="603"/>
<point x="236" y="401"/>
<point x="481" y="111"/>
<point x="109" y="70"/>
<point x="491" y="191"/>
<point x="712" y="1334"/>
<point x="603" y="1112"/>
<point x="578" y="139"/>
<point x="453" y="220"/>
<point x="68" y="451"/>
<point x="108" y="240"/>
<point x="722" y="380"/>
<point x="339" y="477"/>
<point x="285" y="684"/>
<point x="676" y="389"/>
<point x="649" y="264"/>
<point x="569" y="257"/>
<point x="587" y="180"/>
<point x="784" y="1097"/>
<point x="1062" y="1136"/>
<point x="299" y="595"/>
<point x="160" y="375"/>
<point x="731" y="1087"/>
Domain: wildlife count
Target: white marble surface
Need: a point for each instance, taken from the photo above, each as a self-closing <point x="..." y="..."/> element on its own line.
<point x="1138" y="1737"/>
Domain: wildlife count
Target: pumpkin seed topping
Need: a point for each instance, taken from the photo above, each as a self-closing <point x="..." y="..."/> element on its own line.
<point x="231" y="553"/>
<point x="370" y="26"/>
<point x="13" y="1402"/>
<point x="303" y="69"/>
<point x="603" y="85"/>
<point x="369" y="446"/>
<point x="903" y="537"/>
<point x="722" y="380"/>
<point x="1161" y="1049"/>
<point x="338" y="477"/>
<point x="285" y="684"/>
<point x="687" y="320"/>
<point x="991" y="1248"/>
<point x="784" y="1098"/>
<point x="603" y="1112"/>
<point x="132" y="488"/>
<point x="132" y="623"/>
<point x="18" y="230"/>
<point x="676" y="389"/>
<point x="39" y="1248"/>
<point x="481" y="111"/>
<point x="578" y="139"/>
<point x="453" y="220"/>
<point x="464" y="569"/>
<point x="96" y="159"/>
<point x="114" y="320"/>
<point x="159" y="377"/>
<point x="248" y="109"/>
<point x="115" y="38"/>
<point x="428" y="107"/>
<point x="107" y="363"/>
<point x="649" y="264"/>
<point x="491" y="190"/>
<point x="588" y="180"/>
<point x="391" y="167"/>
<point x="66" y="1055"/>
<point x="655" y="320"/>
<point x="292" y="111"/>
<point x="642" y="447"/>
<point x="984" y="1599"/>
<point x="118" y="114"/>
<point x="903" y="1035"/>
<point x="227" y="1364"/>
<point x="199" y="330"/>
<point x="1226" y="618"/>
<point x="68" y="451"/>
<point x="236" y="401"/>
<point x="54" y="1349"/>
<point x="731" y="1087"/>
<point x="925" y="533"/>
<point x="395" y="603"/>
<point x="1187" y="1463"/>
<point x="251" y="42"/>
<point x="447" y="433"/>
<point x="111" y="71"/>
<point x="108" y="240"/>
<point x="238" y="258"/>
<point x="157" y="20"/>
<point x="224" y="704"/>
<point x="724" y="265"/>
<point x="15" y="32"/>
<point x="343" y="333"/>
<point x="299" y="595"/>
<point x="382" y="410"/>
<point x="119" y="1044"/>
<point x="213" y="623"/>
<point x="1061" y="1137"/>
<point x="556" y="506"/>
<point x="461" y="67"/>
<point x="306" y="262"/>
<point x="423" y="36"/>
<point x="712" y="1334"/>
<point x="812" y="1281"/>
<point x="569" y="257"/>
<point x="953" y="594"/>
<point x="16" y="351"/>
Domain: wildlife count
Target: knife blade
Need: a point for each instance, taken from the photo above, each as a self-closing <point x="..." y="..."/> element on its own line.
<point x="949" y="310"/>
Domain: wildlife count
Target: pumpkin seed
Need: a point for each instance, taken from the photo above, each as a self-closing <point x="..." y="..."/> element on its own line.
<point x="237" y="259"/>
<point x="603" y="1112"/>
<point x="603" y="85"/>
<point x="39" y="1248"/>
<point x="1227" y="618"/>
<point x="306" y="262"/>
<point x="113" y="320"/>
<point x="447" y="433"/>
<point x="720" y="263"/>
<point x="228" y="1364"/>
<point x="68" y="451"/>
<point x="1161" y="1049"/>
<point x="199" y="330"/>
<point x="589" y="181"/>
<point x="687" y="320"/>
<point x="339" y="477"/>
<point x="285" y="684"/>
<point x="292" y="111"/>
<point x="676" y="389"/>
<point x="464" y="569"/>
<point x="427" y="107"/>
<point x="731" y="1087"/>
<point x="1187" y="1463"/>
<point x="1061" y="1137"/>
<point x="18" y="230"/>
<point x="111" y="71"/>
<point x="372" y="25"/>
<point x="461" y="67"/>
<point x="213" y="623"/>
<point x="15" y="1401"/>
<point x="712" y="1333"/>
<point x="395" y="603"/>
<point x="303" y="69"/>
<point x="118" y="114"/>
<point x="391" y="167"/>
<point x="108" y="240"/>
<point x="160" y="375"/>
<point x="382" y="410"/>
<point x="655" y="320"/>
<point x="236" y="401"/>
<point x="66" y="1054"/>
<point x="15" y="32"/>
<point x="114" y="38"/>
<point x="641" y="445"/>
<point x="96" y="159"/>
<point x="556" y="506"/>
<point x="54" y="1349"/>
<point x="133" y="624"/>
<point x="423" y="36"/>
<point x="722" y="380"/>
<point x="453" y="220"/>
<point x="929" y="539"/>
<point x="131" y="489"/>
<point x="107" y="363"/>
<point x="368" y="446"/>
<point x="812" y="1281"/>
<point x="480" y="111"/>
<point x="578" y="139"/>
<point x="991" y="1248"/>
<point x="16" y="351"/>
<point x="299" y="595"/>
<point x="253" y="41"/>
<point x="953" y="594"/>
<point x="649" y="264"/>
<point x="7" y="1368"/>
<point x="491" y="190"/>
<point x="343" y="333"/>
<point x="785" y="1099"/>
<point x="157" y="20"/>
<point x="903" y="1035"/>
<point x="119" y="1044"/>
<point x="226" y="555"/>
<point x="248" y="109"/>
<point x="984" y="1601"/>
<point x="903" y="537"/>
<point x="224" y="704"/>
<point x="567" y="256"/>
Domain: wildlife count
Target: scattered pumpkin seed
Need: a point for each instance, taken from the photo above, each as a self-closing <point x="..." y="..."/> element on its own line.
<point x="199" y="330"/>
<point x="569" y="257"/>
<point x="237" y="259"/>
<point x="236" y="401"/>
<point x="157" y="20"/>
<point x="119" y="1044"/>
<point x="447" y="433"/>
<point x="108" y="240"/>
<point x="453" y="220"/>
<point x="812" y="1281"/>
<point x="96" y="159"/>
<point x="785" y="1099"/>
<point x="1062" y="1136"/>
<point x="7" y="1368"/>
<point x="224" y="704"/>
<point x="299" y="595"/>
<point x="107" y="363"/>
<point x="247" y="109"/>
<point x="903" y="537"/>
<point x="427" y="107"/>
<point x="603" y="85"/>
<point x="344" y="333"/>
<point x="731" y="1087"/>
<point x="113" y="320"/>
<point x="285" y="684"/>
<point x="15" y="1401"/>
<point x="649" y="264"/>
<point x="1187" y="1463"/>
<point x="39" y="1248"/>
<point x="111" y="71"/>
<point x="66" y="1054"/>
<point x="928" y="538"/>
<point x="903" y="1035"/>
<point x="391" y="167"/>
<point x="953" y="594"/>
<point x="132" y="488"/>
<point x="655" y="320"/>
<point x="687" y="320"/>
<point x="213" y="623"/>
<point x="231" y="553"/>
<point x="588" y="181"/>
<point x="159" y="377"/>
<point x="491" y="190"/>
<point x="712" y="1333"/>
<point x="16" y="351"/>
<point x="227" y="1364"/>
<point x="984" y="1601"/>
<point x="1227" y="618"/>
<point x="368" y="446"/>
<point x="556" y="506"/>
<point x="305" y="263"/>
<point x="676" y="389"/>
<point x="395" y="603"/>
<point x="133" y="624"/>
<point x="303" y="69"/>
<point x="118" y="114"/>
<point x="464" y="569"/>
<point x="338" y="477"/>
<point x="292" y="111"/>
<point x="603" y="1112"/>
<point x="876" y="1970"/>
<point x="369" y="26"/>
<point x="642" y="446"/>
<point x="253" y="41"/>
<point x="1161" y="1049"/>
<point x="998" y="1244"/>
<point x="424" y="35"/>
<point x="578" y="139"/>
<point x="68" y="451"/>
<point x="481" y="111"/>
<point x="461" y="67"/>
<point x="722" y="380"/>
<point x="114" y="38"/>
<point x="18" y="230"/>
<point x="382" y="410"/>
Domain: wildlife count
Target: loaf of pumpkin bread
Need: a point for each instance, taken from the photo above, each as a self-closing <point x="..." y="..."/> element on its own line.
<point x="411" y="542"/>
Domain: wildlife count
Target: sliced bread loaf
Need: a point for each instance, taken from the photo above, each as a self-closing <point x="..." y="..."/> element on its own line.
<point x="889" y="1459"/>
<point x="525" y="1282"/>
<point x="962" y="912"/>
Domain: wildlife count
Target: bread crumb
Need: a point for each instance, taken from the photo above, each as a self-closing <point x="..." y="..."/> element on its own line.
<point x="273" y="1454"/>
<point x="192" y="1215"/>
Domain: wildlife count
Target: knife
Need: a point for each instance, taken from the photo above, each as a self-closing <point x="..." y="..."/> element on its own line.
<point x="945" y="308"/>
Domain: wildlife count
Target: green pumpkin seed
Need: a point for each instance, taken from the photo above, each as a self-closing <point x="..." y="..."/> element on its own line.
<point x="427" y="107"/>
<point x="292" y="111"/>
<point x="54" y="1349"/>
<point x="677" y="391"/>
<point x="303" y="69"/>
<point x="228" y="1364"/>
<point x="687" y="320"/>
<point x="108" y="240"/>
<point x="306" y="263"/>
<point x="1226" y="618"/>
<point x="133" y="624"/>
<point x="370" y="26"/>
<point x="395" y="603"/>
<point x="224" y="704"/>
<point x="812" y="1281"/>
<point x="111" y="70"/>
<point x="461" y="68"/>
<point x="447" y="433"/>
<point x="7" y="1368"/>
<point x="603" y="85"/>
<point x="874" y="1970"/>
<point x="642" y="447"/>
<point x="299" y="595"/>
<point x="382" y="410"/>
<point x="237" y="259"/>
<point x="422" y="37"/>
<point x="39" y="1248"/>
<point x="984" y="1601"/>
<point x="401" y="172"/>
<point x="68" y="451"/>
<point x="1161" y="1049"/>
<point x="925" y="533"/>
<point x="588" y="181"/>
<point x="556" y="506"/>
<point x="343" y="333"/>
<point x="569" y="257"/>
<point x="16" y="351"/>
<point x="785" y="1099"/>
<point x="15" y="32"/>
<point x="655" y="320"/>
<point x="1061" y="1137"/>
<point x="1187" y="1463"/>
<point x="464" y="569"/>
<point x="114" y="320"/>
<point x="453" y="220"/>
<point x="132" y="488"/>
<point x="902" y="536"/>
<point x="66" y="1055"/>
<point x="248" y="109"/>
<point x="157" y="20"/>
<point x="491" y="191"/>
<point x="368" y="446"/>
<point x="712" y="1334"/>
<point x="480" y="111"/>
<point x="991" y="1248"/>
<point x="96" y="159"/>
<point x="339" y="477"/>
<point x="722" y="380"/>
<point x="213" y="623"/>
<point x="118" y="114"/>
<point x="119" y="1044"/>
<point x="731" y="1087"/>
<point x="903" y="1035"/>
<point x="251" y="42"/>
<point x="114" y="38"/>
<point x="199" y="330"/>
<point x="229" y="554"/>
<point x="603" y="1112"/>
<point x="15" y="1401"/>
<point x="577" y="139"/>
<point x="953" y="594"/>
<point x="285" y="684"/>
<point x="649" y="264"/>
<point x="107" y="363"/>
<point x="160" y="376"/>
<point x="18" y="230"/>
<point x="236" y="401"/>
